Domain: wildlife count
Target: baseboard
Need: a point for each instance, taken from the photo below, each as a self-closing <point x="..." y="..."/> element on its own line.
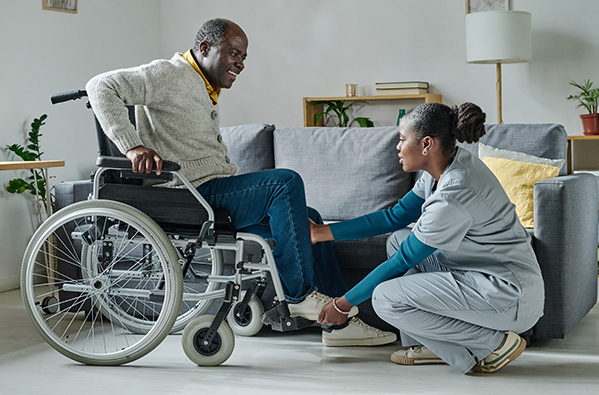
<point x="10" y="283"/>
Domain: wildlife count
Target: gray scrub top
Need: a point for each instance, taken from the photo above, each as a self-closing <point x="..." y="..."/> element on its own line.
<point x="472" y="222"/>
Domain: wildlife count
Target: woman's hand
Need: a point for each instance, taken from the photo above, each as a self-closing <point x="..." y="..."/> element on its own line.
<point x="319" y="233"/>
<point x="329" y="314"/>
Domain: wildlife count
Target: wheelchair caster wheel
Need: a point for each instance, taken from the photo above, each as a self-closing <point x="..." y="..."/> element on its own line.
<point x="246" y="322"/>
<point x="214" y="353"/>
<point x="50" y="305"/>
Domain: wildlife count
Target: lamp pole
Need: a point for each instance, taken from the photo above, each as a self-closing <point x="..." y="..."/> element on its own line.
<point x="498" y="83"/>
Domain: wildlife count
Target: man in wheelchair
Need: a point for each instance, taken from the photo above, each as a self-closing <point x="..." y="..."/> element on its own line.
<point x="177" y="120"/>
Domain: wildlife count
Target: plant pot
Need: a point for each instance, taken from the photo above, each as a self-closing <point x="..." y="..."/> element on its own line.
<point x="590" y="124"/>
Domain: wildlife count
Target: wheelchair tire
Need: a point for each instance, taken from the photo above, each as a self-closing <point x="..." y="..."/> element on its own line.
<point x="246" y="322"/>
<point x="213" y="354"/>
<point x="93" y="255"/>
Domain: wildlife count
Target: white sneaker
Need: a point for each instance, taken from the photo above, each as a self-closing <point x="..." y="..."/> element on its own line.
<point x="417" y="355"/>
<point x="512" y="348"/>
<point x="310" y="307"/>
<point x="357" y="333"/>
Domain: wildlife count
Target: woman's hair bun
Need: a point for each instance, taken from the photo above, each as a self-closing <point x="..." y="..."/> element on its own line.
<point x="469" y="121"/>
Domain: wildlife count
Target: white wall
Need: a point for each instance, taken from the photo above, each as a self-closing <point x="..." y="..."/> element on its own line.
<point x="314" y="47"/>
<point x="45" y="52"/>
<point x="297" y="48"/>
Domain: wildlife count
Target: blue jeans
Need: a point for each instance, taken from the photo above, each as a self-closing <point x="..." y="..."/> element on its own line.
<point x="272" y="204"/>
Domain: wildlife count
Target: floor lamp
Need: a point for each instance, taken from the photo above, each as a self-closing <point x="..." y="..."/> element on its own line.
<point x="498" y="37"/>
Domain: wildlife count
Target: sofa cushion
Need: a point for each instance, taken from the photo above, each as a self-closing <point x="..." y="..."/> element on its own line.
<point x="347" y="172"/>
<point x="250" y="146"/>
<point x="486" y="150"/>
<point x="539" y="139"/>
<point x="518" y="180"/>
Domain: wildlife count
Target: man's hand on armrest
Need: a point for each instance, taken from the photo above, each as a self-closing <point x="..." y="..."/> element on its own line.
<point x="143" y="159"/>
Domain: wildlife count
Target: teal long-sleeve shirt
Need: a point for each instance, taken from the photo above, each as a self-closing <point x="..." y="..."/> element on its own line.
<point x="411" y="252"/>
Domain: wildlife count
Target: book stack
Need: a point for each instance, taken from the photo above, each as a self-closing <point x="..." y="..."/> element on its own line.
<point x="401" y="88"/>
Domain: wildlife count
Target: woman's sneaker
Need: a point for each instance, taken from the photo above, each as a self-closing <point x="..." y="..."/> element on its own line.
<point x="416" y="355"/>
<point x="512" y="348"/>
<point x="357" y="333"/>
<point x="310" y="307"/>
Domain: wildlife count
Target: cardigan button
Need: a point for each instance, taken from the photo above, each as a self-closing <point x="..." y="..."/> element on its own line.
<point x="214" y="114"/>
<point x="219" y="138"/>
<point x="227" y="159"/>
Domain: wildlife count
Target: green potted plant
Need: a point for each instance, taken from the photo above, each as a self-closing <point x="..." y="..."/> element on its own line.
<point x="37" y="182"/>
<point x="587" y="98"/>
<point x="341" y="112"/>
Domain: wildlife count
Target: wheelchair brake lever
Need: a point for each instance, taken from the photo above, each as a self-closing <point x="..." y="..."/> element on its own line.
<point x="204" y="232"/>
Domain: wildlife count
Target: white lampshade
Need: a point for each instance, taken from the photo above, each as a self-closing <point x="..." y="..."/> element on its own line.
<point x="498" y="37"/>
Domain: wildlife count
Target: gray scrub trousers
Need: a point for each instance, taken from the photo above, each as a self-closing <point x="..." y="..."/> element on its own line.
<point x="482" y="280"/>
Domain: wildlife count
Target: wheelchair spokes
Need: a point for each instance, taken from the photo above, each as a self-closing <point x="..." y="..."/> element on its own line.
<point x="102" y="284"/>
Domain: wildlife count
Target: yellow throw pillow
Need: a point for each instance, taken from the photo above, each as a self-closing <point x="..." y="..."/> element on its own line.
<point x="518" y="180"/>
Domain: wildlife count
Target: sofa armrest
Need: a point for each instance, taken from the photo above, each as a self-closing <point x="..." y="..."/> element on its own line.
<point x="69" y="192"/>
<point x="565" y="243"/>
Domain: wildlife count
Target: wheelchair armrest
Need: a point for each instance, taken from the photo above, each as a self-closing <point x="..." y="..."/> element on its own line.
<point x="125" y="164"/>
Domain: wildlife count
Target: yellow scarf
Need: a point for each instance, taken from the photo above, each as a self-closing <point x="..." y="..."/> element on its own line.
<point x="213" y="93"/>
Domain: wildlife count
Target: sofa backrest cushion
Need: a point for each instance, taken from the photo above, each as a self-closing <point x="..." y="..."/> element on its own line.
<point x="538" y="139"/>
<point x="347" y="172"/>
<point x="250" y="146"/>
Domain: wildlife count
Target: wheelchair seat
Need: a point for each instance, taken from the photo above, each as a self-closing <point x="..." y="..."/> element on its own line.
<point x="176" y="210"/>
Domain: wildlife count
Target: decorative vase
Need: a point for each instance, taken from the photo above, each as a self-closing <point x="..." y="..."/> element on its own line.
<point x="590" y="124"/>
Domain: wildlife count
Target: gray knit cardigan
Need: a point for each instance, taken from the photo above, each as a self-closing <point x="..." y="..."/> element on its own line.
<point x="174" y="114"/>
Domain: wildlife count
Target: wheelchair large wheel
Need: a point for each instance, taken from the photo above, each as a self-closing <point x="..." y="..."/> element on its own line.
<point x="88" y="258"/>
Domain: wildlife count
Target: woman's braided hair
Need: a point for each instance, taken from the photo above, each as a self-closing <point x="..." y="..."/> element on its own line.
<point x="464" y="123"/>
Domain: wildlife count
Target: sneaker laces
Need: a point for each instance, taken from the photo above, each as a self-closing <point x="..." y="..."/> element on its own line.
<point x="364" y="325"/>
<point x="319" y="298"/>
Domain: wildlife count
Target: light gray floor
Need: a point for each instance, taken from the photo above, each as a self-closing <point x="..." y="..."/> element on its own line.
<point x="296" y="363"/>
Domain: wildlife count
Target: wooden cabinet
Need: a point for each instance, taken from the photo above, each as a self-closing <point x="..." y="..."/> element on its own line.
<point x="310" y="110"/>
<point x="583" y="154"/>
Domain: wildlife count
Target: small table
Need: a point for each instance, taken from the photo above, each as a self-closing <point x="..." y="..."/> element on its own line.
<point x="39" y="164"/>
<point x="33" y="164"/>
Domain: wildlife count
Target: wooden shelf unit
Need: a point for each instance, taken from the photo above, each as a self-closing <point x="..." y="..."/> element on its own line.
<point x="583" y="153"/>
<point x="310" y="111"/>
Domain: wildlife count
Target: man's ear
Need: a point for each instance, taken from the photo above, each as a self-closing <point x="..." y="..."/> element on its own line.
<point x="204" y="48"/>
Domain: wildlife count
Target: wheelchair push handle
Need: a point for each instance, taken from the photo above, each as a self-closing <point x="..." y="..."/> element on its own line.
<point x="66" y="96"/>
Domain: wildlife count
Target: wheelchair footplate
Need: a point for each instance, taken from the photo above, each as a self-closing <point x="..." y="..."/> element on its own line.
<point x="279" y="318"/>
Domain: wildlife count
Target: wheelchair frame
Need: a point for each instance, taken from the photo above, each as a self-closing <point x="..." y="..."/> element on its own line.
<point x="123" y="291"/>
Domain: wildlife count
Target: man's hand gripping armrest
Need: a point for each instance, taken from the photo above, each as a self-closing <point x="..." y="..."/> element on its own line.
<point x="143" y="159"/>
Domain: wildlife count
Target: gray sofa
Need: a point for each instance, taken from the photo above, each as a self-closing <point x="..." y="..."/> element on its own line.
<point x="353" y="171"/>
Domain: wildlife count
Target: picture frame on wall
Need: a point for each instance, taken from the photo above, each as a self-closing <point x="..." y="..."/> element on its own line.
<point x="60" y="5"/>
<point x="487" y="5"/>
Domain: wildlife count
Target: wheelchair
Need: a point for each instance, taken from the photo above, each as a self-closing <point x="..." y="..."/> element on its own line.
<point x="104" y="281"/>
